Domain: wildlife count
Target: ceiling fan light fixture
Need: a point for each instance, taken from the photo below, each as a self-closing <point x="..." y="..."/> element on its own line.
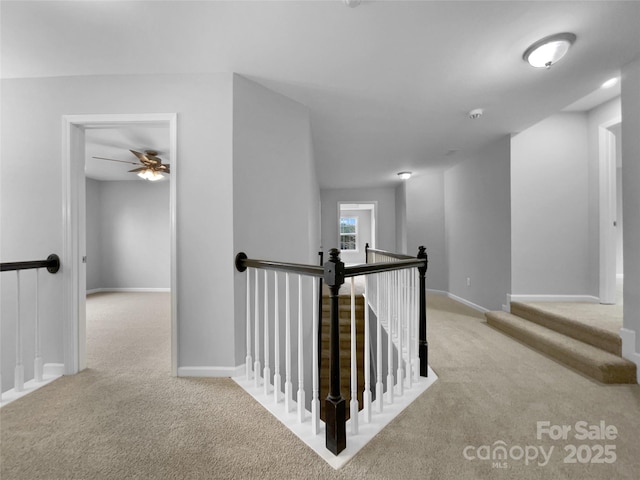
<point x="549" y="50"/>
<point x="150" y="175"/>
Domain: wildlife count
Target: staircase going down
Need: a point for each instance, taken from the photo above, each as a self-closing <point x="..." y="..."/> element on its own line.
<point x="345" y="347"/>
<point x="593" y="351"/>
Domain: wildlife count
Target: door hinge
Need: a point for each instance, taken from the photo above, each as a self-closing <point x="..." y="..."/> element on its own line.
<point x="84" y="259"/>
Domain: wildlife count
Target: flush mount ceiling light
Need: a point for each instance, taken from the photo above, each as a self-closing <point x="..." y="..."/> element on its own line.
<point x="404" y="175"/>
<point x="610" y="83"/>
<point x="549" y="50"/>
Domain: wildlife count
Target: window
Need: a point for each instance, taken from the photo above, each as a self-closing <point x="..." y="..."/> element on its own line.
<point x="348" y="234"/>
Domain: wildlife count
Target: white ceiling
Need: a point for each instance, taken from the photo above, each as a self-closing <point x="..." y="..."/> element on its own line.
<point x="388" y="84"/>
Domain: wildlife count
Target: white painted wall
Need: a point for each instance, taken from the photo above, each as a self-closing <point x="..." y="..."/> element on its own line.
<point x="31" y="196"/>
<point x="386" y="214"/>
<point x="401" y="218"/>
<point x="94" y="234"/>
<point x="478" y="226"/>
<point x="130" y="225"/>
<point x="364" y="235"/>
<point x="275" y="191"/>
<point x="426" y="225"/>
<point x="631" y="203"/>
<point x="551" y="249"/>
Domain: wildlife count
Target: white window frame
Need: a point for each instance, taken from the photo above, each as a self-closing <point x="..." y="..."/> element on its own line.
<point x="354" y="234"/>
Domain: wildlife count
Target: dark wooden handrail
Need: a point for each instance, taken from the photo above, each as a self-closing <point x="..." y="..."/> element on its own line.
<point x="242" y="263"/>
<point x="398" y="256"/>
<point x="52" y="264"/>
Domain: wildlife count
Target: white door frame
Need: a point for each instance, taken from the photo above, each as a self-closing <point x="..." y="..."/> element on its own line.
<point x="74" y="228"/>
<point x="374" y="216"/>
<point x="608" y="212"/>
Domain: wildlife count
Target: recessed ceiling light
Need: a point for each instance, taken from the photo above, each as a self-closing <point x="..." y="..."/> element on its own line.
<point x="404" y="175"/>
<point x="610" y="83"/>
<point x="547" y="51"/>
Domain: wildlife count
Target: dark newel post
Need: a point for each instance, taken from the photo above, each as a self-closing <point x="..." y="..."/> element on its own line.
<point x="423" y="347"/>
<point x="366" y="253"/>
<point x="335" y="416"/>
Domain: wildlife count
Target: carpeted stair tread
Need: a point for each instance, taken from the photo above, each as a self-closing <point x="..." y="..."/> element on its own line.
<point x="592" y="361"/>
<point x="572" y="327"/>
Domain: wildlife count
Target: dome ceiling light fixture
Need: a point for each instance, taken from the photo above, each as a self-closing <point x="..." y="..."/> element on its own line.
<point x="404" y="175"/>
<point x="610" y="83"/>
<point x="549" y="50"/>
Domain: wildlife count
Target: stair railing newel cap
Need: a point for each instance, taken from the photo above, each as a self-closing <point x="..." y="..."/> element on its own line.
<point x="422" y="253"/>
<point x="334" y="269"/>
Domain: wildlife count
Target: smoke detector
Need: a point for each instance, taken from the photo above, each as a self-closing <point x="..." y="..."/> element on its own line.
<point x="475" y="113"/>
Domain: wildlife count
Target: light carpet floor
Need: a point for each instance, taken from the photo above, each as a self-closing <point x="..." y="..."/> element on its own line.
<point x="125" y="417"/>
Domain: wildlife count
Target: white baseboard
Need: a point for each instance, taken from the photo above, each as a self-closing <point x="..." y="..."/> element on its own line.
<point x="629" y="348"/>
<point x="552" y="298"/>
<point x="53" y="369"/>
<point x="50" y="372"/>
<point x="458" y="299"/>
<point x="136" y="290"/>
<point x="211" y="371"/>
<point x="467" y="303"/>
<point x="437" y="292"/>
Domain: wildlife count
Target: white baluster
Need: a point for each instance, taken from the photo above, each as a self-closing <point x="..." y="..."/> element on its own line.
<point x="18" y="379"/>
<point x="353" y="405"/>
<point x="367" y="355"/>
<point x="408" y="323"/>
<point x="315" y="395"/>
<point x="399" y="323"/>
<point x="256" y="365"/>
<point x="288" y="387"/>
<point x="416" y="321"/>
<point x="267" y="371"/>
<point x="379" y="384"/>
<point x="276" y="341"/>
<point x="37" y="362"/>
<point x="390" y="380"/>
<point x="248" y="359"/>
<point x="300" y="397"/>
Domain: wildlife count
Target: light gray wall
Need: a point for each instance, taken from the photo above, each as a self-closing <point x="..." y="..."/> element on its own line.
<point x="426" y="225"/>
<point x="385" y="215"/>
<point x="131" y="229"/>
<point x="551" y="248"/>
<point x="478" y="226"/>
<point x="401" y="218"/>
<point x="94" y="234"/>
<point x="31" y="196"/>
<point x="275" y="191"/>
<point x="631" y="195"/>
<point x="364" y="235"/>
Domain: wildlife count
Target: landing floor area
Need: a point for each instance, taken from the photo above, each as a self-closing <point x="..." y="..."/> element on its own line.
<point x="607" y="317"/>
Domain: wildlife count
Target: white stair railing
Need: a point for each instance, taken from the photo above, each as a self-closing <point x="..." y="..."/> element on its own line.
<point x="52" y="264"/>
<point x="391" y="293"/>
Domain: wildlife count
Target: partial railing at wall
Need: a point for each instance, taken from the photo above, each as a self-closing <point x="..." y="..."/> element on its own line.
<point x="400" y="307"/>
<point x="52" y="264"/>
<point x="373" y="255"/>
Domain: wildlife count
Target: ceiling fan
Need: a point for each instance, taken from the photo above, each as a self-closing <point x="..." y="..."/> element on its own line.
<point x="150" y="166"/>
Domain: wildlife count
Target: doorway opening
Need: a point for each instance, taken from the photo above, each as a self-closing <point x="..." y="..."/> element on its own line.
<point x="611" y="222"/>
<point x="76" y="130"/>
<point x="356" y="228"/>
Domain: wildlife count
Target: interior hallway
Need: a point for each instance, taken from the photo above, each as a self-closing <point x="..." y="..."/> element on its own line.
<point x="126" y="417"/>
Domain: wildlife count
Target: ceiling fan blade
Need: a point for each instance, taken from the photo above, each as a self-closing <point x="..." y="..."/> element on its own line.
<point x="114" y="160"/>
<point x="135" y="170"/>
<point x="142" y="157"/>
